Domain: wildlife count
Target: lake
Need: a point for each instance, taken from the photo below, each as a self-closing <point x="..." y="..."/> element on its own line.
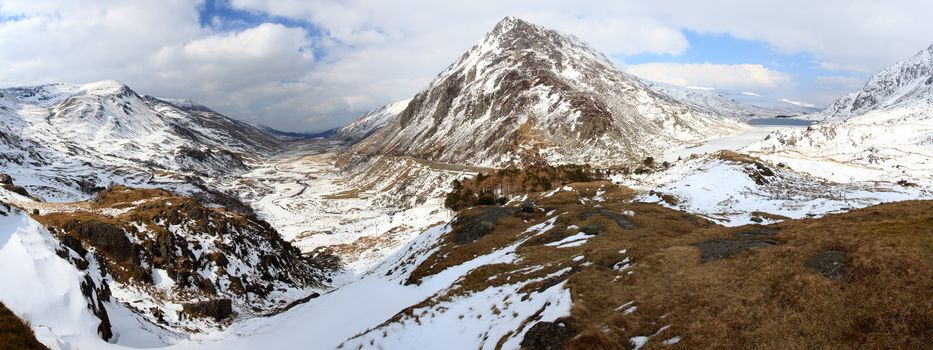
<point x="760" y="129"/>
<point x="779" y="122"/>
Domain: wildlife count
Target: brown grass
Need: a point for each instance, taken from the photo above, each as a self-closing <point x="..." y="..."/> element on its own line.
<point x="485" y="188"/>
<point x="764" y="298"/>
<point x="347" y="194"/>
<point x="15" y="334"/>
<point x="117" y="195"/>
<point x="767" y="298"/>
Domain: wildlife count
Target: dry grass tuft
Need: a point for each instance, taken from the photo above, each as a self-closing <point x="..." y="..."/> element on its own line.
<point x="15" y="334"/>
<point x="122" y="196"/>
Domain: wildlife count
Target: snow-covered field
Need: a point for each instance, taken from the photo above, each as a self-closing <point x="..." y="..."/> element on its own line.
<point x="314" y="205"/>
<point x="884" y="145"/>
<point x="755" y="133"/>
<point x="724" y="191"/>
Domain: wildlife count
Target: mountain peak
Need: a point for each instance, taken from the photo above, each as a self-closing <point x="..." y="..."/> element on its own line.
<point x="509" y="22"/>
<point x="905" y="83"/>
<point x="56" y="92"/>
<point x="527" y="94"/>
<point x="514" y="28"/>
<point x="515" y="42"/>
<point x="104" y="87"/>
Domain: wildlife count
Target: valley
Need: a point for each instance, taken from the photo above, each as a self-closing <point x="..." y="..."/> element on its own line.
<point x="531" y="196"/>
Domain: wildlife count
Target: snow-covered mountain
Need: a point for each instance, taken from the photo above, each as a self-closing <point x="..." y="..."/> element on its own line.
<point x="882" y="132"/>
<point x="294" y="249"/>
<point x="525" y="93"/>
<point x="907" y="84"/>
<point x="68" y="141"/>
<point x="742" y="105"/>
<point x="370" y="122"/>
<point x="151" y="265"/>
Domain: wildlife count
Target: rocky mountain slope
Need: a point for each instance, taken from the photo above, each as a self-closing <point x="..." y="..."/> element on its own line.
<point x="741" y="105"/>
<point x="906" y="84"/>
<point x="68" y="141"/>
<point x="527" y="94"/>
<point x="370" y="122"/>
<point x="584" y="266"/>
<point x="176" y="266"/>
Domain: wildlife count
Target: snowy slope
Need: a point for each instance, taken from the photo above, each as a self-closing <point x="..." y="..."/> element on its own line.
<point x="66" y="141"/>
<point x="157" y="256"/>
<point x="884" y="145"/>
<point x="906" y="84"/>
<point x="363" y="217"/>
<point x="733" y="189"/>
<point x="57" y="298"/>
<point x="526" y="94"/>
<point x="883" y="132"/>
<point x="741" y="105"/>
<point x="332" y="319"/>
<point x="370" y="122"/>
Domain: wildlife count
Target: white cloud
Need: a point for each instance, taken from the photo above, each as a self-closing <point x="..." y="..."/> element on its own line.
<point x="158" y="48"/>
<point x="217" y="63"/>
<point x="859" y="35"/>
<point x="721" y="76"/>
<point x="371" y="52"/>
<point x="798" y="103"/>
<point x="840" y="81"/>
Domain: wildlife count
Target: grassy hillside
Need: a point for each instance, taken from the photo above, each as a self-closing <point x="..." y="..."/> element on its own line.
<point x="642" y="274"/>
<point x="14" y="334"/>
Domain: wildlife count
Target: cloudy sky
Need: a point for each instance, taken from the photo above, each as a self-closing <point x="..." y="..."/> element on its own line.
<point x="303" y="65"/>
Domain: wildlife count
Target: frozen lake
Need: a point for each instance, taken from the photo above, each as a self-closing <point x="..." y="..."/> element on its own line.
<point x="780" y="122"/>
<point x="759" y="129"/>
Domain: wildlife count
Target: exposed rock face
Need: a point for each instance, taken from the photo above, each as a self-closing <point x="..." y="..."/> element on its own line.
<point x="370" y="122"/>
<point x="903" y="84"/>
<point x="618" y="218"/>
<point x="191" y="253"/>
<point x="546" y="336"/>
<point x="6" y="182"/>
<point x="526" y="94"/>
<point x="756" y="237"/>
<point x="72" y="141"/>
<point x="218" y="309"/>
<point x="830" y="263"/>
<point x="476" y="223"/>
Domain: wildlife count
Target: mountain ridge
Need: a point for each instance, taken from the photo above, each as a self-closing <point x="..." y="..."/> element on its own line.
<point x="741" y="105"/>
<point x="104" y="133"/>
<point x="525" y="93"/>
<point x="907" y="83"/>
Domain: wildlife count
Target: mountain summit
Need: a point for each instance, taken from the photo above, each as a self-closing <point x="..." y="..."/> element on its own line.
<point x="906" y="83"/>
<point x="526" y="94"/>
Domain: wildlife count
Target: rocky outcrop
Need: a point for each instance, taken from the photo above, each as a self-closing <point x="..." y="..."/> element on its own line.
<point x="6" y="182"/>
<point x="218" y="309"/>
<point x="212" y="260"/>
